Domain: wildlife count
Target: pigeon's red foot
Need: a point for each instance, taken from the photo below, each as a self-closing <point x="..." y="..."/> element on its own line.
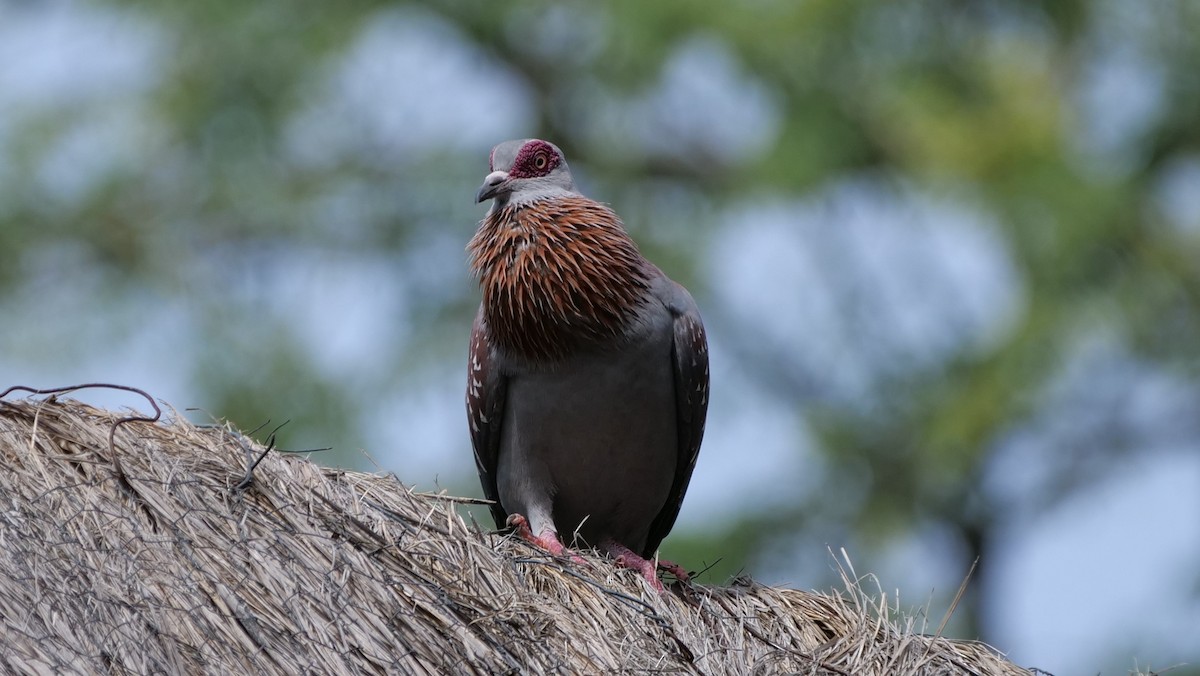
<point x="674" y="569"/>
<point x="547" y="539"/>
<point x="627" y="558"/>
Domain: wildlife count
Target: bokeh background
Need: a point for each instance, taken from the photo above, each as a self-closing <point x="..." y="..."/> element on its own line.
<point x="948" y="253"/>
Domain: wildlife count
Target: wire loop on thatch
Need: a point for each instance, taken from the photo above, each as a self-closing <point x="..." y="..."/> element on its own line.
<point x="147" y="556"/>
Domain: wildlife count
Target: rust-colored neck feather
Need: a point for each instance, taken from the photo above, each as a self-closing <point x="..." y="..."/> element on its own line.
<point x="556" y="274"/>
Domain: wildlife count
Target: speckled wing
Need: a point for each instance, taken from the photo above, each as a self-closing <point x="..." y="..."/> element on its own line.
<point x="689" y="353"/>
<point x="486" y="388"/>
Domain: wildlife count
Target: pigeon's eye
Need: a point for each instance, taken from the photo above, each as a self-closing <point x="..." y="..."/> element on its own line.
<point x="540" y="161"/>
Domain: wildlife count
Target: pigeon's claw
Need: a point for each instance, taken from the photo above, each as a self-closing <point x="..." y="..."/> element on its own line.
<point x="674" y="569"/>
<point x="627" y="558"/>
<point x="547" y="539"/>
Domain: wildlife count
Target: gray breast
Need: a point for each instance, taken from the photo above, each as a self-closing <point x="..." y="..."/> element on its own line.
<point x="592" y="439"/>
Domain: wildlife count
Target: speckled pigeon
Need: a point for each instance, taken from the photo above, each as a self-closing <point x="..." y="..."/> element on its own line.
<point x="587" y="381"/>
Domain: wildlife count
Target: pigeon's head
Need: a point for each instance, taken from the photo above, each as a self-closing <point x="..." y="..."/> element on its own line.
<point x="524" y="171"/>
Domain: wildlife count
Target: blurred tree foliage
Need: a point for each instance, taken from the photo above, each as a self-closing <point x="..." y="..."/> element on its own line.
<point x="986" y="102"/>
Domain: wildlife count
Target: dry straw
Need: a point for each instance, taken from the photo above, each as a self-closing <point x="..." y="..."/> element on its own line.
<point x="152" y="555"/>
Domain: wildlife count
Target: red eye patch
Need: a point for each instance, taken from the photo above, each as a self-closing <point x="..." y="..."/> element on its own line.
<point x="536" y="158"/>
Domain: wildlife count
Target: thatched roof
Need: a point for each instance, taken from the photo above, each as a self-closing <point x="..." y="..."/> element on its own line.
<point x="147" y="556"/>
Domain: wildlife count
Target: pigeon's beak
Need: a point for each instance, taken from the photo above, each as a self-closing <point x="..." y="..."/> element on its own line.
<point x="495" y="184"/>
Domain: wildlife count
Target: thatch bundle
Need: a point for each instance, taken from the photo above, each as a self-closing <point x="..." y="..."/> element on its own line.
<point x="152" y="555"/>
